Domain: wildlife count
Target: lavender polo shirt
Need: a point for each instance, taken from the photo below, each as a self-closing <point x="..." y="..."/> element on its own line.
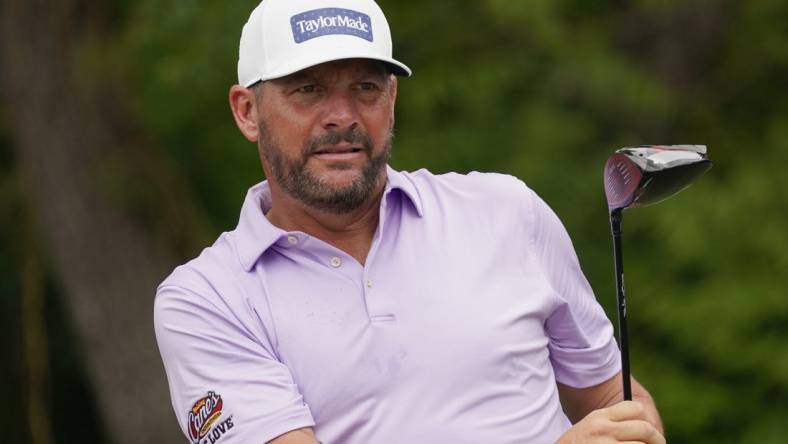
<point x="470" y="306"/>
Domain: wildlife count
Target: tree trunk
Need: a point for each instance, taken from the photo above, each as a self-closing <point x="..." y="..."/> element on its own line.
<point x="66" y="135"/>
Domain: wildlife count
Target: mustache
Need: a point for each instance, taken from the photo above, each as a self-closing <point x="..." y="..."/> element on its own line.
<point x="351" y="135"/>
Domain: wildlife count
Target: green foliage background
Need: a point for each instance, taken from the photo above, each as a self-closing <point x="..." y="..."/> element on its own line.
<point x="545" y="90"/>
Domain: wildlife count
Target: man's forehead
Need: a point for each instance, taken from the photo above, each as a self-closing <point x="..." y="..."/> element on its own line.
<point x="352" y="66"/>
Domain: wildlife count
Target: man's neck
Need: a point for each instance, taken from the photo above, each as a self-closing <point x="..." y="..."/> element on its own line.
<point x="351" y="232"/>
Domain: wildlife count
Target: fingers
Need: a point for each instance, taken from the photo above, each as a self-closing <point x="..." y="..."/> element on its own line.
<point x="625" y="422"/>
<point x="630" y="422"/>
<point x="626" y="410"/>
<point x="637" y="431"/>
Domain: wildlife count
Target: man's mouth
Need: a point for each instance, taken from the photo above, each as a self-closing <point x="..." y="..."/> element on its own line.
<point x="342" y="153"/>
<point x="338" y="149"/>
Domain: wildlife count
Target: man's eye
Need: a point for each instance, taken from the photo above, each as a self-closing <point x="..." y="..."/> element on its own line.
<point x="368" y="86"/>
<point x="307" y="89"/>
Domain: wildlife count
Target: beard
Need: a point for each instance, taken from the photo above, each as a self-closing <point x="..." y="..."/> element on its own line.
<point x="300" y="183"/>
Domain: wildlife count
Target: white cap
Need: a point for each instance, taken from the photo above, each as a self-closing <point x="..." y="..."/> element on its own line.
<point x="285" y="36"/>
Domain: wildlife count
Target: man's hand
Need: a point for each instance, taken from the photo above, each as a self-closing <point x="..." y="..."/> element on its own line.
<point x="626" y="421"/>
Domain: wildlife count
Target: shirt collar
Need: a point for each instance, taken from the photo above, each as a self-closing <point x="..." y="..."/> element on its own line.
<point x="255" y="233"/>
<point x="403" y="182"/>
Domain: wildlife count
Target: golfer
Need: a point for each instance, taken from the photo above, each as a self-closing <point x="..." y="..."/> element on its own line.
<point x="356" y="304"/>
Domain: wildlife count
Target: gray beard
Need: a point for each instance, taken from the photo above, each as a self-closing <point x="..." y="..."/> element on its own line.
<point x="299" y="183"/>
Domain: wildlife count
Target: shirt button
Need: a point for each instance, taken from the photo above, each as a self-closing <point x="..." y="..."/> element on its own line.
<point x="369" y="284"/>
<point x="336" y="262"/>
<point x="292" y="240"/>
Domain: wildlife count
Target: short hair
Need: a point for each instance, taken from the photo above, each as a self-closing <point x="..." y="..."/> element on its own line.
<point x="257" y="89"/>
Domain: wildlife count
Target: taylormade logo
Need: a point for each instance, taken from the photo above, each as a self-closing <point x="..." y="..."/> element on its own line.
<point x="327" y="21"/>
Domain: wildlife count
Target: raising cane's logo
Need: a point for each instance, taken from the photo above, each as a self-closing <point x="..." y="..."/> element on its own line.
<point x="203" y="415"/>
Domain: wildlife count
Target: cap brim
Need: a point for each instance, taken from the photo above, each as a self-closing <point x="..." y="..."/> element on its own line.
<point x="397" y="68"/>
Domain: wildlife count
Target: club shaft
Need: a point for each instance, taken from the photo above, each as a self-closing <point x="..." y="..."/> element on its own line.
<point x="623" y="335"/>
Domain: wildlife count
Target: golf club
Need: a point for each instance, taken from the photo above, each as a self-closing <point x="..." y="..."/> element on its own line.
<point x="637" y="177"/>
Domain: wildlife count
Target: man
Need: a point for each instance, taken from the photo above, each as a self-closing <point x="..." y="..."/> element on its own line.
<point x="357" y="304"/>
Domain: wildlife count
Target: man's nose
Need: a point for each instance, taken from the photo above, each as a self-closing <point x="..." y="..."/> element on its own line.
<point x="341" y="112"/>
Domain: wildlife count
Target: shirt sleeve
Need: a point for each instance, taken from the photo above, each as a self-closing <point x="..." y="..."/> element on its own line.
<point x="583" y="350"/>
<point x="226" y="384"/>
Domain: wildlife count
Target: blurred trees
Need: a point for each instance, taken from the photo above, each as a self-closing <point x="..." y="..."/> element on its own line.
<point x="123" y="145"/>
<point x="80" y="166"/>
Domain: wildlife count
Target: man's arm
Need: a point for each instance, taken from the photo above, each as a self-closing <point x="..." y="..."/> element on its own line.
<point x="598" y="412"/>
<point x="300" y="436"/>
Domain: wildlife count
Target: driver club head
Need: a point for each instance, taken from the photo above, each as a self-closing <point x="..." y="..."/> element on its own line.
<point x="644" y="175"/>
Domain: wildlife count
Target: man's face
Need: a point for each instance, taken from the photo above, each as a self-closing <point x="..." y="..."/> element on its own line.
<point x="325" y="132"/>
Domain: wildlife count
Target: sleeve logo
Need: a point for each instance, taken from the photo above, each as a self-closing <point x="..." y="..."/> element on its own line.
<point x="327" y="21"/>
<point x="203" y="416"/>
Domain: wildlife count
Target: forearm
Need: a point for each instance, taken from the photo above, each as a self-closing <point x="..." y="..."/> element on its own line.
<point x="578" y="403"/>
<point x="639" y="394"/>
<point x="599" y="414"/>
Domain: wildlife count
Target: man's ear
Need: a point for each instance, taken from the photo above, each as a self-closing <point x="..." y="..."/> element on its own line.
<point x="393" y="89"/>
<point x="393" y="94"/>
<point x="244" y="108"/>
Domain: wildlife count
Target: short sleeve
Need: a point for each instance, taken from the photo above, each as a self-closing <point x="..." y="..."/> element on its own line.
<point x="226" y="384"/>
<point x="583" y="350"/>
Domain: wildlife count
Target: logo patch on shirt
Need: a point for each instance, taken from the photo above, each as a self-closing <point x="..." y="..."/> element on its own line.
<point x="327" y="21"/>
<point x="203" y="425"/>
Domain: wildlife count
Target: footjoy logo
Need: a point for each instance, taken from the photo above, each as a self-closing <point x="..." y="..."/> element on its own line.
<point x="202" y="418"/>
<point x="327" y="21"/>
